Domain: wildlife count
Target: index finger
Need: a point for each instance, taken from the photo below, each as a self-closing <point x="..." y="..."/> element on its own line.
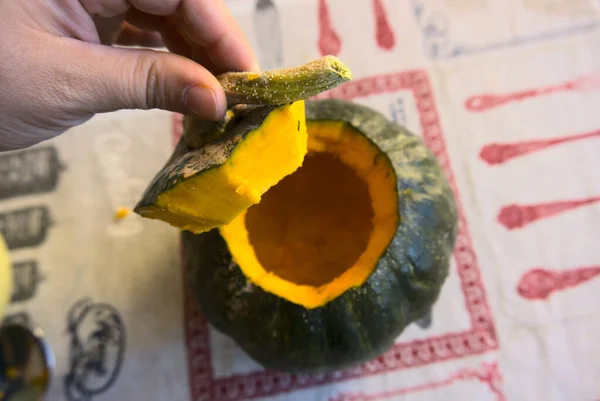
<point x="210" y="28"/>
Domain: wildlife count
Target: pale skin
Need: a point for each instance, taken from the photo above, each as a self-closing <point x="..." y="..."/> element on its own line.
<point x="58" y="65"/>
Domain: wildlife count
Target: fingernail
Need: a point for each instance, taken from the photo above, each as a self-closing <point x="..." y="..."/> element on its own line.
<point x="204" y="103"/>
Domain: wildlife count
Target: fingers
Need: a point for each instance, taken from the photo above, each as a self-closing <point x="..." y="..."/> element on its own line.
<point x="157" y="7"/>
<point x="144" y="20"/>
<point x="108" y="79"/>
<point x="202" y="30"/>
<point x="175" y="42"/>
<point x="206" y="25"/>
<point x="162" y="26"/>
<point x="105" y="8"/>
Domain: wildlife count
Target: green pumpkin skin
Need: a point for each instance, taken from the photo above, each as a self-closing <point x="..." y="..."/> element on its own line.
<point x="364" y="321"/>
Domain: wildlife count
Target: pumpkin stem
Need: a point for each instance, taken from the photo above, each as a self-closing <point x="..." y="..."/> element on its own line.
<point x="286" y="85"/>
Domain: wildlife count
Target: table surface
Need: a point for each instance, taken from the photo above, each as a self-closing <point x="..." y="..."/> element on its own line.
<point x="504" y="92"/>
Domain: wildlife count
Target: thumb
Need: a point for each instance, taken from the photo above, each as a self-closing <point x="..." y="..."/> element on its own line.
<point x="109" y="79"/>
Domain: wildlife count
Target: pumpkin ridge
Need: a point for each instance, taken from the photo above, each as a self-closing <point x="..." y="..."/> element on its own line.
<point x="421" y="281"/>
<point x="363" y="334"/>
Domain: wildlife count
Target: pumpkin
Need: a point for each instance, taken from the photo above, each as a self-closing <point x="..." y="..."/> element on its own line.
<point x="219" y="169"/>
<point x="338" y="257"/>
<point x="6" y="277"/>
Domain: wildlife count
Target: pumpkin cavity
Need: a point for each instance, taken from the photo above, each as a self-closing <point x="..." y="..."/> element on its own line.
<point x="322" y="229"/>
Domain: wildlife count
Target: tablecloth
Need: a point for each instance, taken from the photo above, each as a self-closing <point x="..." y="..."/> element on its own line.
<point x="504" y="92"/>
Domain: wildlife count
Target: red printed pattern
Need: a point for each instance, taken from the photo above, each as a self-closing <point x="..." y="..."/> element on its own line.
<point x="498" y="153"/>
<point x="479" y="339"/>
<point x="383" y="30"/>
<point x="517" y="216"/>
<point x="329" y="41"/>
<point x="540" y="283"/>
<point x="485" y="102"/>
<point x="488" y="374"/>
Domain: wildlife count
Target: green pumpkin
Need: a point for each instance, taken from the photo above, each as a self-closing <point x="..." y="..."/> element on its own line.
<point x="338" y="258"/>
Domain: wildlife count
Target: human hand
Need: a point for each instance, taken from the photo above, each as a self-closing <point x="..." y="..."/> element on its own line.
<point x="58" y="68"/>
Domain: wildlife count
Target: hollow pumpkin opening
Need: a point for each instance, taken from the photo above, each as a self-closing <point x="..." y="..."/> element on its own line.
<point x="322" y="229"/>
<point x="286" y="229"/>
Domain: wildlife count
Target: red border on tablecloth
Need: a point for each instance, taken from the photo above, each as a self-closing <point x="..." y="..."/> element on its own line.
<point x="481" y="337"/>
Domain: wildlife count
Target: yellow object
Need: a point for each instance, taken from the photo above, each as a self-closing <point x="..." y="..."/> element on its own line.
<point x="6" y="277"/>
<point x="323" y="228"/>
<point x="121" y="213"/>
<point x="212" y="185"/>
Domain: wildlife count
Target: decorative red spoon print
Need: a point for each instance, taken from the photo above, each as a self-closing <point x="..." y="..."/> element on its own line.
<point x="484" y="102"/>
<point x="517" y="216"/>
<point x="540" y="283"/>
<point x="384" y="34"/>
<point x="329" y="41"/>
<point x="498" y="153"/>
